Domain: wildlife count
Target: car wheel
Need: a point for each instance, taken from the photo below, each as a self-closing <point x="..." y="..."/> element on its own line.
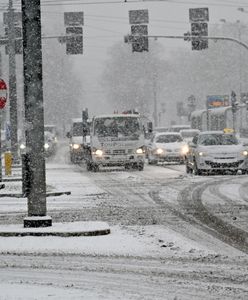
<point x="196" y="171"/>
<point x="127" y="166"/>
<point x="188" y="169"/>
<point x="73" y="159"/>
<point x="89" y="166"/>
<point x="95" y="168"/>
<point x="141" y="167"/>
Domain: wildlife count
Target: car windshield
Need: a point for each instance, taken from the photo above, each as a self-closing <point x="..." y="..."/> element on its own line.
<point x="168" y="138"/>
<point x="217" y="139"/>
<point x="117" y="127"/>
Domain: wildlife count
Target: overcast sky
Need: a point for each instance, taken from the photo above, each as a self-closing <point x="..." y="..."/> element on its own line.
<point x="106" y="22"/>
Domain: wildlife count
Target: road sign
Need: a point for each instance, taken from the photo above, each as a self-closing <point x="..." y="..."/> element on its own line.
<point x="215" y="101"/>
<point x="3" y="93"/>
<point x="18" y="40"/>
<point x="17" y="18"/>
<point x="138" y="16"/>
<point x="74" y="18"/>
<point x="244" y="97"/>
<point x="198" y="14"/>
<point x="191" y="100"/>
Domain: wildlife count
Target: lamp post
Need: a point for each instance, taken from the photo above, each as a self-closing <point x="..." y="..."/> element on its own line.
<point x="240" y="53"/>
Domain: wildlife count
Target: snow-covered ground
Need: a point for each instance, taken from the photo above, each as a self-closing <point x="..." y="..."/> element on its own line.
<point x="164" y="260"/>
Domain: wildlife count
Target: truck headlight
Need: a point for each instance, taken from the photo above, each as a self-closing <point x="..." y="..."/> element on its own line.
<point x="159" y="151"/>
<point x="185" y="149"/>
<point x="46" y="146"/>
<point x="75" y="146"/>
<point x="139" y="151"/>
<point x="99" y="152"/>
<point x="245" y="153"/>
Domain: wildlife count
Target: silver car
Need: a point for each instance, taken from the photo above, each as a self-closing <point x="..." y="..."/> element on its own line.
<point x="216" y="151"/>
<point x="166" y="147"/>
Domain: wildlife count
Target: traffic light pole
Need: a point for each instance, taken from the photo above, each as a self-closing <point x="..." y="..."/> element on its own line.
<point x="189" y="37"/>
<point x="12" y="82"/>
<point x="34" y="115"/>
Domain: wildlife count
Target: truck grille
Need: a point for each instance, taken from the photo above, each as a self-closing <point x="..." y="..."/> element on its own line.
<point x="119" y="152"/>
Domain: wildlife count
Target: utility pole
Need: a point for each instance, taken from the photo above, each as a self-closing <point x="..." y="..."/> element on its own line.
<point x="12" y="81"/>
<point x="34" y="115"/>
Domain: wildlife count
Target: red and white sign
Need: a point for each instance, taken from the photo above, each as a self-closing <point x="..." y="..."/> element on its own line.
<point x="3" y="93"/>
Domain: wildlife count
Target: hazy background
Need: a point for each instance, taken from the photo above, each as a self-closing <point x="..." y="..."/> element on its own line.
<point x="72" y="83"/>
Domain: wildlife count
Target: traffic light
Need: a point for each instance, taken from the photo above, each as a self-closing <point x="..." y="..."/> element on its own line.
<point x="199" y="30"/>
<point x="139" y="39"/>
<point x="85" y="115"/>
<point x="74" y="32"/>
<point x="74" y="40"/>
<point x="235" y="104"/>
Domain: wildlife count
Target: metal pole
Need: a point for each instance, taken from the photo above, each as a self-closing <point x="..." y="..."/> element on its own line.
<point x="12" y="81"/>
<point x="155" y="100"/>
<point x="34" y="113"/>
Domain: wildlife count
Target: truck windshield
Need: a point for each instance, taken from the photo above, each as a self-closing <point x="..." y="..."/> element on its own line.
<point x="117" y="127"/>
<point x="78" y="129"/>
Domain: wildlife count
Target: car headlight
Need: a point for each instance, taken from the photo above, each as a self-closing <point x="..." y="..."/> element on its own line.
<point x="75" y="146"/>
<point x="159" y="151"/>
<point x="202" y="153"/>
<point x="185" y="149"/>
<point x="245" y="153"/>
<point x="22" y="146"/>
<point x="99" y="152"/>
<point x="46" y="146"/>
<point x="139" y="151"/>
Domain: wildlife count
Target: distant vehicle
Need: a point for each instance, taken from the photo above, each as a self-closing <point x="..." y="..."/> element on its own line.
<point x="188" y="134"/>
<point x="177" y="128"/>
<point x="53" y="130"/>
<point x="50" y="146"/>
<point x="166" y="147"/>
<point x="221" y="118"/>
<point x="117" y="140"/>
<point x="216" y="151"/>
<point x="79" y="136"/>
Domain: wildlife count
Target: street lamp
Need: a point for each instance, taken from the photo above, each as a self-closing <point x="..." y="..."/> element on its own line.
<point x="240" y="56"/>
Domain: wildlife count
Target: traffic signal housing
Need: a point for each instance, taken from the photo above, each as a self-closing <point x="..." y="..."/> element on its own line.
<point x="139" y="38"/>
<point x="74" y="40"/>
<point x="199" y="30"/>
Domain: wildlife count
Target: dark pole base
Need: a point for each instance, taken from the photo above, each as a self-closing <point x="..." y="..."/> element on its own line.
<point x="37" y="221"/>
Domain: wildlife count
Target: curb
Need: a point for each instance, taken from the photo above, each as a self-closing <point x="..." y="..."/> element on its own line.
<point x="92" y="229"/>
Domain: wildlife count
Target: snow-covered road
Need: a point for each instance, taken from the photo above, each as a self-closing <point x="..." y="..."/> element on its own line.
<point x="173" y="236"/>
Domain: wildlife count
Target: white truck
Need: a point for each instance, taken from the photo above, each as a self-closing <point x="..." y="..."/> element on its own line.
<point x="117" y="140"/>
